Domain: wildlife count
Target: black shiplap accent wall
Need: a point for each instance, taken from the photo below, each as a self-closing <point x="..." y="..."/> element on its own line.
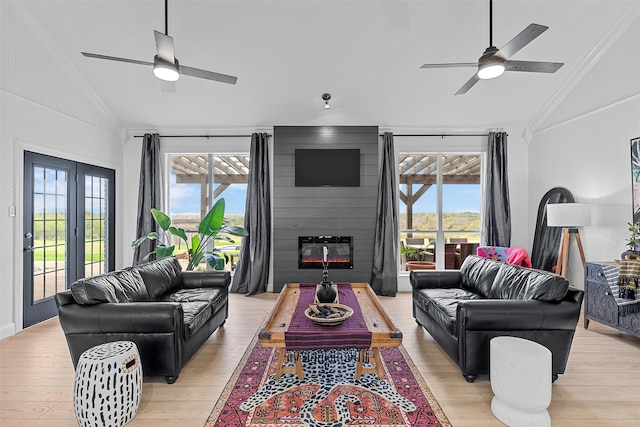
<point x="323" y="211"/>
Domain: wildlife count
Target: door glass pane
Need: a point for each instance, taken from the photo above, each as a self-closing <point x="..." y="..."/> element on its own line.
<point x="49" y="230"/>
<point x="95" y="217"/>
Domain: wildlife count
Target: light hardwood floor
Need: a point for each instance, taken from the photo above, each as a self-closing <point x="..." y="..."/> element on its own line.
<point x="601" y="386"/>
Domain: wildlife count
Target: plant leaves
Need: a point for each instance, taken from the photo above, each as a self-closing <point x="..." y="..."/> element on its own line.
<point x="163" y="251"/>
<point x="215" y="261"/>
<point x="211" y="223"/>
<point x="151" y="236"/>
<point x="195" y="243"/>
<point x="179" y="232"/>
<point x="234" y="230"/>
<point x="161" y="218"/>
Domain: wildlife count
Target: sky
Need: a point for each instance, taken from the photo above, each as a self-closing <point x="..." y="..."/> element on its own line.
<point x="185" y="198"/>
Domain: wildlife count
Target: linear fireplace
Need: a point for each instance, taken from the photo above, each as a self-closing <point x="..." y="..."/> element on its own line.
<point x="310" y="252"/>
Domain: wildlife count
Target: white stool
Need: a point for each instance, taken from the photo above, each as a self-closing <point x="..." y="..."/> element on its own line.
<point x="108" y="385"/>
<point x="521" y="381"/>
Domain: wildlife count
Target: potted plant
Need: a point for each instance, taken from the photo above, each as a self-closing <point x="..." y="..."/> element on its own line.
<point x="413" y="254"/>
<point x="415" y="258"/>
<point x="633" y="241"/>
<point x="202" y="244"/>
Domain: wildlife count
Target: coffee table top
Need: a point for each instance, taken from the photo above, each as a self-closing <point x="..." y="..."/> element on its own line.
<point x="384" y="332"/>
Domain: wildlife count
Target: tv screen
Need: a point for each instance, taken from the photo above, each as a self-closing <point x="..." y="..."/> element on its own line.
<point x="327" y="167"/>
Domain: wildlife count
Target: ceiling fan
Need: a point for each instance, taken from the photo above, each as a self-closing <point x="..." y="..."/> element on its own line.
<point x="494" y="62"/>
<point x="165" y="65"/>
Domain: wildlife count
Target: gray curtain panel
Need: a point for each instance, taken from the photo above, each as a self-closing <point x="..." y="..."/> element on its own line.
<point x="252" y="271"/>
<point x="496" y="224"/>
<point x="384" y="277"/>
<point x="149" y="194"/>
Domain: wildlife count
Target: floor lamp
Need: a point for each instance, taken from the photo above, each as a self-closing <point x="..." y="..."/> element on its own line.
<point x="569" y="216"/>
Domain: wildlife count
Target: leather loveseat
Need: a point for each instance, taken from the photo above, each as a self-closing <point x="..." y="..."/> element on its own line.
<point x="464" y="309"/>
<point x="168" y="313"/>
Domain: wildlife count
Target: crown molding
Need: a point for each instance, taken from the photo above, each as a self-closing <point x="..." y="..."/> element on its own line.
<point x="630" y="14"/>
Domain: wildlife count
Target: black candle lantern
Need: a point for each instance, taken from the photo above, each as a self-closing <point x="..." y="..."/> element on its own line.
<point x="325" y="292"/>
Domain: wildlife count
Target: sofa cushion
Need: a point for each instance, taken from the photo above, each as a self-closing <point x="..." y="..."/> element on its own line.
<point x="478" y="274"/>
<point x="443" y="312"/>
<point x="515" y="282"/>
<point x="196" y="314"/>
<point x="441" y="304"/>
<point x="161" y="277"/>
<point x="216" y="297"/>
<point x="115" y="287"/>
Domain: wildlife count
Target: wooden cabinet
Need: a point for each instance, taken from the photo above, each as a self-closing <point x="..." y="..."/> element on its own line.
<point x="601" y="302"/>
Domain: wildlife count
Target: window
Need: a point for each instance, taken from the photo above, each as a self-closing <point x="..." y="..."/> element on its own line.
<point x="195" y="182"/>
<point x="440" y="205"/>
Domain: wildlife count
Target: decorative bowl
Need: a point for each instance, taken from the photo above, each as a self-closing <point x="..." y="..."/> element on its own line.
<point x="328" y="313"/>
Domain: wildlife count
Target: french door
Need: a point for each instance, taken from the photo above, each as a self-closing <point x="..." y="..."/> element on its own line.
<point x="69" y="229"/>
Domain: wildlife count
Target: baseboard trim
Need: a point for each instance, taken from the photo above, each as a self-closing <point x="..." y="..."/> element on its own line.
<point x="7" y="331"/>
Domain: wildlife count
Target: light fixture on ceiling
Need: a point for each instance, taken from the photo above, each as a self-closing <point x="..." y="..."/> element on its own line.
<point x="490" y="65"/>
<point x="165" y="70"/>
<point x="326" y="97"/>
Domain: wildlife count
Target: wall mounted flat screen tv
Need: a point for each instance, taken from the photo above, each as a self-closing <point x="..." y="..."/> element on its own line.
<point x="327" y="167"/>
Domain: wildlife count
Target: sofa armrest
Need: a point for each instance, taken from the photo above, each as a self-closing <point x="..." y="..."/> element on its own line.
<point x="135" y="318"/>
<point x="434" y="279"/>
<point x="511" y="315"/>
<point x="206" y="279"/>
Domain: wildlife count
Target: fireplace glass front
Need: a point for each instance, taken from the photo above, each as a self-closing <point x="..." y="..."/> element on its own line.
<point x="310" y="252"/>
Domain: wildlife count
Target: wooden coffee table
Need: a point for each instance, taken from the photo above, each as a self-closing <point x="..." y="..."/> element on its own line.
<point x="384" y="332"/>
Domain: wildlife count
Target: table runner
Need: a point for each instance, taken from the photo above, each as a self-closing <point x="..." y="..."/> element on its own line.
<point x="304" y="334"/>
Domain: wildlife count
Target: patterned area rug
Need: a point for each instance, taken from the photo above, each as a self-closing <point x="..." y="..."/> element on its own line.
<point x="328" y="396"/>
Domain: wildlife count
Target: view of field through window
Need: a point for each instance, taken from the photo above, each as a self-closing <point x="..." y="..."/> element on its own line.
<point x="440" y="205"/>
<point x="190" y="182"/>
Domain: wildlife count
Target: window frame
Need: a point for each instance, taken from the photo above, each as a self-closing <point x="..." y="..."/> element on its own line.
<point x="440" y="146"/>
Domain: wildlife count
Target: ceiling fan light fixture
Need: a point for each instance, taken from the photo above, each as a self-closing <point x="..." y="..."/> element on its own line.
<point x="165" y="70"/>
<point x="490" y="71"/>
<point x="490" y="65"/>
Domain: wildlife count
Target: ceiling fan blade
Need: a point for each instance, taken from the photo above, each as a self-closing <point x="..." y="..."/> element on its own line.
<point x="533" y="66"/>
<point x="164" y="47"/>
<point x="468" y="85"/>
<point x="209" y="75"/>
<point x="115" y="58"/>
<point x="166" y="86"/>
<point x="451" y="65"/>
<point x="525" y="37"/>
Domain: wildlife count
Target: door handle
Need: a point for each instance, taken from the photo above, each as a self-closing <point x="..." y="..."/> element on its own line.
<point x="28" y="249"/>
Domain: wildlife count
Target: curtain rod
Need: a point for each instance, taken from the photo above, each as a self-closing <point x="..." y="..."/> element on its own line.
<point x="442" y="135"/>
<point x="201" y="136"/>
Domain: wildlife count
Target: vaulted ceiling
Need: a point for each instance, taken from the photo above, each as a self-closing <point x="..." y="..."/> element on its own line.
<point x="286" y="54"/>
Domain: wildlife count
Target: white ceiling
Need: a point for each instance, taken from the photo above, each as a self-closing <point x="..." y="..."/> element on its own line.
<point x="286" y="54"/>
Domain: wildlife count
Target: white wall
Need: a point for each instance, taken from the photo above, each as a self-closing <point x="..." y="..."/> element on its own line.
<point x="47" y="108"/>
<point x="583" y="145"/>
<point x="27" y="126"/>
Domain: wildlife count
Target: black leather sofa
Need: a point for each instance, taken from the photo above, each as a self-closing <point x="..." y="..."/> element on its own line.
<point x="464" y="309"/>
<point x="167" y="312"/>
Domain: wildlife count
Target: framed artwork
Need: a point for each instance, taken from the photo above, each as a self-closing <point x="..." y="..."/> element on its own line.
<point x="635" y="177"/>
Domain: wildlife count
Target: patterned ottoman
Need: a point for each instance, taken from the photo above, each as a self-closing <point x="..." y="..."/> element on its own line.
<point x="108" y="385"/>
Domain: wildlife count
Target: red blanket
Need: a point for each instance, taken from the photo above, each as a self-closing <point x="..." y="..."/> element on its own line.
<point x="304" y="334"/>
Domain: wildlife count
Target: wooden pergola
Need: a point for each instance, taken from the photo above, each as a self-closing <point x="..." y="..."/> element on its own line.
<point x="227" y="169"/>
<point x="419" y="173"/>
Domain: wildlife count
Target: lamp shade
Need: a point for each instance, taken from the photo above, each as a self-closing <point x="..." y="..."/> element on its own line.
<point x="568" y="214"/>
